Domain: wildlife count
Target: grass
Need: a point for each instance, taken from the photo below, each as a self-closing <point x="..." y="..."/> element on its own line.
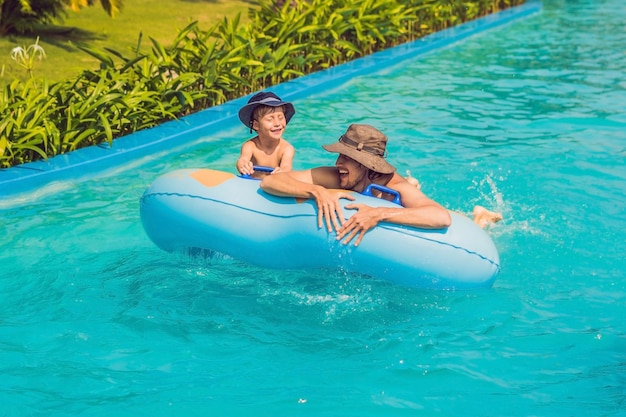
<point x="160" y="19"/>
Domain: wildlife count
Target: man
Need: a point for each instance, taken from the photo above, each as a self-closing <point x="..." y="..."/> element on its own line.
<point x="361" y="162"/>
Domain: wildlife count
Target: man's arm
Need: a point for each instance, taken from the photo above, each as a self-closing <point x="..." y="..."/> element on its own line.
<point x="303" y="184"/>
<point x="417" y="211"/>
<point x="421" y="209"/>
<point x="319" y="184"/>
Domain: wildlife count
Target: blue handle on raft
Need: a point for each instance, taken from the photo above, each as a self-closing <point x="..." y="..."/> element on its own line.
<point x="257" y="168"/>
<point x="387" y="190"/>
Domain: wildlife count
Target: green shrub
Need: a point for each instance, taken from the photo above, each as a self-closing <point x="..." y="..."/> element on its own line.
<point x="23" y="16"/>
<point x="206" y="68"/>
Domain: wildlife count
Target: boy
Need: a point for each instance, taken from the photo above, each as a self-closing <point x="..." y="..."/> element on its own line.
<point x="268" y="116"/>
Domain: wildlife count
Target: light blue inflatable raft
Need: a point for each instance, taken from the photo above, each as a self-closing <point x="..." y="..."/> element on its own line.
<point x="218" y="211"/>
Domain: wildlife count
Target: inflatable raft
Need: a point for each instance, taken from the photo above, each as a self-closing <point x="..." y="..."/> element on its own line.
<point x="218" y="211"/>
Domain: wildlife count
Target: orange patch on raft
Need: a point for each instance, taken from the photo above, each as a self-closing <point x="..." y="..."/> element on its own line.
<point x="210" y="177"/>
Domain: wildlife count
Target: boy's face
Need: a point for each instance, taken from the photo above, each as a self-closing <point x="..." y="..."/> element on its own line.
<point x="271" y="125"/>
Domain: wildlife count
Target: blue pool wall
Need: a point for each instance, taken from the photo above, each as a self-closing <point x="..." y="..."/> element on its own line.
<point x="28" y="177"/>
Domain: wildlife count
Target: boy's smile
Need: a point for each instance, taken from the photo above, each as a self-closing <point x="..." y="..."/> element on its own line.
<point x="272" y="125"/>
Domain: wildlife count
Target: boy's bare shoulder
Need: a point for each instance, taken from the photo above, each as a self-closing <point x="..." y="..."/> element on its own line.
<point x="248" y="146"/>
<point x="286" y="144"/>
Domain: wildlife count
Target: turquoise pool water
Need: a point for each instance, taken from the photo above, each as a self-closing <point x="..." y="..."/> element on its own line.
<point x="529" y="119"/>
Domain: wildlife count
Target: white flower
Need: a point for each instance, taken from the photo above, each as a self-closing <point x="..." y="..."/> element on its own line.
<point x="18" y="54"/>
<point x="25" y="57"/>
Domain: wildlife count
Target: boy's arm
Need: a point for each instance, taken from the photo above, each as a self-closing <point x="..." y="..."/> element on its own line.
<point x="286" y="159"/>
<point x="244" y="163"/>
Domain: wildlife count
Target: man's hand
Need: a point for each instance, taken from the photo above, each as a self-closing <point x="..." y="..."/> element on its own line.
<point x="329" y="207"/>
<point x="356" y="226"/>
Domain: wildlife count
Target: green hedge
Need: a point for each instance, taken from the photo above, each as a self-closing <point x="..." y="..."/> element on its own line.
<point x="204" y="68"/>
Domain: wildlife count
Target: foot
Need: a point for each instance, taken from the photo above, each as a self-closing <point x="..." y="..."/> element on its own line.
<point x="483" y="217"/>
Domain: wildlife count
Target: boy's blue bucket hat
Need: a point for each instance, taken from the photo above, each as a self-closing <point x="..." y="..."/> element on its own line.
<point x="264" y="99"/>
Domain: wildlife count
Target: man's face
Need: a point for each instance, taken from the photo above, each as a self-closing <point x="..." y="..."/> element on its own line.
<point x="352" y="175"/>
